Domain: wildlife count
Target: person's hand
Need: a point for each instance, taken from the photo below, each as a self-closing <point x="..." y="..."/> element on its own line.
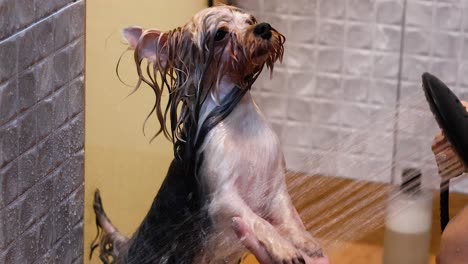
<point x="449" y="163"/>
<point x="252" y="244"/>
<point x="454" y="241"/>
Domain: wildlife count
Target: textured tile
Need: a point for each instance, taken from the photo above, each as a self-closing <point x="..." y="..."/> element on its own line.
<point x="9" y="228"/>
<point x="44" y="8"/>
<point x="361" y="10"/>
<point x="24" y="12"/>
<point x="387" y="38"/>
<point x="322" y="163"/>
<point x="358" y="62"/>
<point x="8" y="183"/>
<point x="277" y="6"/>
<point x="355" y="116"/>
<point x="8" y="57"/>
<point x="380" y="170"/>
<point x="303" y="58"/>
<point x="330" y="60"/>
<point x="301" y="83"/>
<point x="356" y="89"/>
<point x="8" y="100"/>
<point x="36" y="43"/>
<point x="272" y="106"/>
<point x="323" y="138"/>
<point x="62" y="28"/>
<point x="445" y="70"/>
<point x="380" y="145"/>
<point x="61" y="107"/>
<point x="69" y="24"/>
<point x="448" y="17"/>
<point x="389" y="11"/>
<point x="417" y="41"/>
<point x="331" y="33"/>
<point x="297" y="135"/>
<point x="277" y="84"/>
<point x="328" y="86"/>
<point x="26" y="90"/>
<point x="44" y="111"/>
<point x="27" y="132"/>
<point x="44" y="78"/>
<point x="383" y="92"/>
<point x="299" y="109"/>
<point x="382" y="118"/>
<point x="77" y="57"/>
<point x="303" y="7"/>
<point x="351" y="167"/>
<point x="60" y="216"/>
<point x="409" y="148"/>
<point x="446" y="45"/>
<point x="45" y="157"/>
<point x="302" y="30"/>
<point x="353" y="141"/>
<point x="61" y="68"/>
<point x="8" y="143"/>
<point x="413" y="68"/>
<point x="76" y="236"/>
<point x="46" y="236"/>
<point x="408" y="121"/>
<point x="324" y="112"/>
<point x="386" y="66"/>
<point x="8" y="18"/>
<point x="61" y="149"/>
<point x="331" y="9"/>
<point x="419" y="13"/>
<point x="250" y="5"/>
<point x="295" y="159"/>
<point x="360" y="36"/>
<point x="76" y="96"/>
<point x="27" y="170"/>
<point x="463" y="69"/>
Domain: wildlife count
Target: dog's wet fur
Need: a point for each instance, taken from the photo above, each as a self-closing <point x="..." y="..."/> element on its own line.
<point x="227" y="179"/>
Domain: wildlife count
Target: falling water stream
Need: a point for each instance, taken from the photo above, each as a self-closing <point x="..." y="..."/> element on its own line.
<point x="346" y="211"/>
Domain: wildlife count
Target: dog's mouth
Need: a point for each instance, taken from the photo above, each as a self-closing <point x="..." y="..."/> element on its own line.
<point x="260" y="52"/>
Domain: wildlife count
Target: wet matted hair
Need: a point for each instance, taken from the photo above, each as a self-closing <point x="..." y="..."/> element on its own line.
<point x="189" y="63"/>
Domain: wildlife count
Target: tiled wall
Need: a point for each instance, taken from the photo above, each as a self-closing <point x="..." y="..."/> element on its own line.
<point x="41" y="131"/>
<point x="350" y="67"/>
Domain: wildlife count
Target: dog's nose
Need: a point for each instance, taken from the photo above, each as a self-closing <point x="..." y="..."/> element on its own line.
<point x="263" y="30"/>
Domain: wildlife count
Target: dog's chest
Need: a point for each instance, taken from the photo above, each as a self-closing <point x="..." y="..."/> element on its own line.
<point x="242" y="154"/>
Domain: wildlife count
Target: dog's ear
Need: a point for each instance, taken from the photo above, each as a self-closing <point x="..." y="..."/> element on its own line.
<point x="146" y="43"/>
<point x="132" y="35"/>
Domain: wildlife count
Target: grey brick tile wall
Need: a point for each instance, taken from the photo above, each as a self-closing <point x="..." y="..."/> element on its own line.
<point x="351" y="66"/>
<point x="41" y="131"/>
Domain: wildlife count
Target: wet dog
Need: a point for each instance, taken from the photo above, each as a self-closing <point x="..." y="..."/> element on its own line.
<point x="225" y="190"/>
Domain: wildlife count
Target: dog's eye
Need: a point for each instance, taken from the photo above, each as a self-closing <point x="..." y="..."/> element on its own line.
<point x="220" y="34"/>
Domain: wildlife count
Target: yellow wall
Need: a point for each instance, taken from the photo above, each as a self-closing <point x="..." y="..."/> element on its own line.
<point x="120" y="161"/>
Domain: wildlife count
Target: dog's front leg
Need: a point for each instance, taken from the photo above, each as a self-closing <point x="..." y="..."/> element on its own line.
<point x="230" y="205"/>
<point x="287" y="220"/>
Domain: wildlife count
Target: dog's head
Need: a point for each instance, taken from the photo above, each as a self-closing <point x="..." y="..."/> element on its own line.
<point x="218" y="44"/>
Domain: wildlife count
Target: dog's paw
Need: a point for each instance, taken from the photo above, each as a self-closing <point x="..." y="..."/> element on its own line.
<point x="267" y="248"/>
<point x="281" y="250"/>
<point x="307" y="244"/>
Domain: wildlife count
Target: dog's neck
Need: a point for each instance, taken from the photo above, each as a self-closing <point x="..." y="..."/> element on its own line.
<point x="225" y="88"/>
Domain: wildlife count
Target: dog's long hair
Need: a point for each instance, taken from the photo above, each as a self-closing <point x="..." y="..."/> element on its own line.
<point x="189" y="64"/>
<point x="189" y="67"/>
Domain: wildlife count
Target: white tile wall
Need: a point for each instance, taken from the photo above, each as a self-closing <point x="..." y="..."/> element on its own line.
<point x="333" y="101"/>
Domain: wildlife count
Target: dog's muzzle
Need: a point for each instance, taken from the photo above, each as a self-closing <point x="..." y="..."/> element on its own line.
<point x="263" y="30"/>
